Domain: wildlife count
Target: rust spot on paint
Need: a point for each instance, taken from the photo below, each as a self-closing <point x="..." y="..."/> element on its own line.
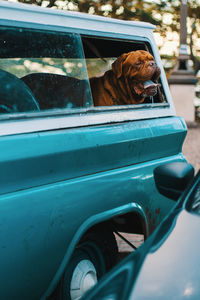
<point x="153" y="228"/>
<point x="157" y="211"/>
<point x="149" y="215"/>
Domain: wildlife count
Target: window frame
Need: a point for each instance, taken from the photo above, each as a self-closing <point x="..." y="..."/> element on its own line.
<point x="71" y="118"/>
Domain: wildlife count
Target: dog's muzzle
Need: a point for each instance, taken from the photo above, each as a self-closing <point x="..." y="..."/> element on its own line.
<point x="150" y="88"/>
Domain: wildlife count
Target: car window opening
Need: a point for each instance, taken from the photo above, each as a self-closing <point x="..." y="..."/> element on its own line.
<point x="46" y="70"/>
<point x="122" y="72"/>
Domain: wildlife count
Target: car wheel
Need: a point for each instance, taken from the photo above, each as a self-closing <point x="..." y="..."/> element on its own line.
<point x="91" y="259"/>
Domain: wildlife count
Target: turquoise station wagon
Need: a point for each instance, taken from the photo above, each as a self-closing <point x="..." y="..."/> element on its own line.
<point x="73" y="175"/>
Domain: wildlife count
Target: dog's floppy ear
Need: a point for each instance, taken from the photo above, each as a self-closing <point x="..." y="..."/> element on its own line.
<point x="117" y="64"/>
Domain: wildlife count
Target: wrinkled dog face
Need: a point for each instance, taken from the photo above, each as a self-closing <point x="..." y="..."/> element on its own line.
<point x="138" y="69"/>
<point x="141" y="66"/>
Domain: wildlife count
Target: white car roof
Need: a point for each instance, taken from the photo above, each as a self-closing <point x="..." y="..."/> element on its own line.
<point x="18" y="12"/>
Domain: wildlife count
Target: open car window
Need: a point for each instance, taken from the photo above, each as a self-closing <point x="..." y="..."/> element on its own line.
<point x="116" y="77"/>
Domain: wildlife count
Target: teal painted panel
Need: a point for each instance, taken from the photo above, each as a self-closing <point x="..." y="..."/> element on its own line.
<point x="35" y="159"/>
<point x="37" y="225"/>
<point x="53" y="183"/>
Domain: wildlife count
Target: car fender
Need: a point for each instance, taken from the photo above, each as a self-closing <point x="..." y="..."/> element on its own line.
<point x="85" y="226"/>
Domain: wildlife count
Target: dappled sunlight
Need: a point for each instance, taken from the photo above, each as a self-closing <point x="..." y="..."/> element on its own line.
<point x="23" y="66"/>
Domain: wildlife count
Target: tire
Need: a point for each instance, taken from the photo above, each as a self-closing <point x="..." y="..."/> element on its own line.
<point x="92" y="258"/>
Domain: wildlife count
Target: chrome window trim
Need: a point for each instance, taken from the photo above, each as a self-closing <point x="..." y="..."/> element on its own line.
<point x="81" y="118"/>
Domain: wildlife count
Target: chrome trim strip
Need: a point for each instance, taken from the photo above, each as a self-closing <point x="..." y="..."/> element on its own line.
<point x="81" y="118"/>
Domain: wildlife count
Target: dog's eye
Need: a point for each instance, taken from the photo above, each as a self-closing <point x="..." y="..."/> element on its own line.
<point x="138" y="63"/>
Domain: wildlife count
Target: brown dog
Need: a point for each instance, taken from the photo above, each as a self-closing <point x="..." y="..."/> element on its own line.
<point x="132" y="78"/>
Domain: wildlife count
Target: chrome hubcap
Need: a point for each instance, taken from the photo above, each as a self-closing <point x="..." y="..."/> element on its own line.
<point x="84" y="277"/>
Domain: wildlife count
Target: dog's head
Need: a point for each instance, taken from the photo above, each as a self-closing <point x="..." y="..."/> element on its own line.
<point x="136" y="68"/>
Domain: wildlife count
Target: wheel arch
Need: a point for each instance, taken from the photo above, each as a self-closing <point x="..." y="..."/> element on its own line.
<point x="92" y="223"/>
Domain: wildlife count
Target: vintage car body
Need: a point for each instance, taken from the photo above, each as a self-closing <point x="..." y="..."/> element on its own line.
<point x="68" y="171"/>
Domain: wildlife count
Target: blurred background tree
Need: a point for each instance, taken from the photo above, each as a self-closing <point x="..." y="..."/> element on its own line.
<point x="164" y="14"/>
